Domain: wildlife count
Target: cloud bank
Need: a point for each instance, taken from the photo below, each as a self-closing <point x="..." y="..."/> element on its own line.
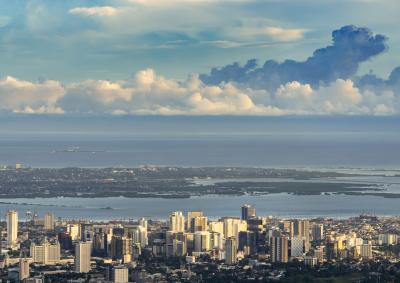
<point x="150" y="94"/>
<point x="325" y="84"/>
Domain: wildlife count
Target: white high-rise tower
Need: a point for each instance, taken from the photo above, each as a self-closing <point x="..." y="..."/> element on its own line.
<point x="177" y="222"/>
<point x="12" y="227"/>
<point x="82" y="256"/>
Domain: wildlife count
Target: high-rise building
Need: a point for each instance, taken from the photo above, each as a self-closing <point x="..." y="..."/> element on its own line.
<point x="319" y="254"/>
<point x="139" y="235"/>
<point x="317" y="232"/>
<point x="177" y="222"/>
<point x="143" y="223"/>
<point x="100" y="244"/>
<point x="74" y="231"/>
<point x="202" y="241"/>
<point x="301" y="228"/>
<point x="65" y="240"/>
<point x="86" y="232"/>
<point x="179" y="247"/>
<point x="232" y="227"/>
<point x="121" y="248"/>
<point x="216" y="241"/>
<point x="189" y="242"/>
<point x="116" y="248"/>
<point x="23" y="269"/>
<point x="12" y="227"/>
<point x="247" y="242"/>
<point x="190" y="216"/>
<point x="387" y="239"/>
<point x="248" y="212"/>
<point x="83" y="251"/>
<point x="45" y="253"/>
<point x="257" y="224"/>
<point x="120" y="274"/>
<point x="279" y="248"/>
<point x="331" y="250"/>
<point x="216" y="226"/>
<point x="366" y="251"/>
<point x="198" y="223"/>
<point x="230" y="250"/>
<point x="296" y="246"/>
<point x="48" y="221"/>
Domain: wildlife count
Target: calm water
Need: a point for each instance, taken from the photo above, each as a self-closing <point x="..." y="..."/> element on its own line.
<point x="237" y="151"/>
<point x="283" y="205"/>
<point x="347" y="144"/>
<point x="201" y="141"/>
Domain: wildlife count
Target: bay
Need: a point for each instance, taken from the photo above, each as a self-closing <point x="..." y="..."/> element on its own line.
<point x="281" y="205"/>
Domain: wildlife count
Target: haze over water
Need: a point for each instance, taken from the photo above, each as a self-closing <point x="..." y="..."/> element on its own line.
<point x="317" y="142"/>
<point x="202" y="141"/>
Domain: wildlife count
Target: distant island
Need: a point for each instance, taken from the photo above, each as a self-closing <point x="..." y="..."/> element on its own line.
<point x="77" y="149"/>
<point x="175" y="182"/>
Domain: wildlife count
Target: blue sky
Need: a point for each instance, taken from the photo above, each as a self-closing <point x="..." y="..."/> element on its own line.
<point x="54" y="54"/>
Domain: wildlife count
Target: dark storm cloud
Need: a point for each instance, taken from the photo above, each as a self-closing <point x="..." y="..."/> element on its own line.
<point x="350" y="47"/>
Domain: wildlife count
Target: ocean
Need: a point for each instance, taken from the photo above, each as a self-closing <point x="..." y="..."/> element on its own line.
<point x="338" y="143"/>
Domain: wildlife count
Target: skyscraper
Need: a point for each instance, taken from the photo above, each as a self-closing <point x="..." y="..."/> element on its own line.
<point x="121" y="248"/>
<point x="199" y="223"/>
<point x="230" y="250"/>
<point x="317" y="232"/>
<point x="46" y="253"/>
<point x="82" y="256"/>
<point x="366" y="251"/>
<point x="48" y="221"/>
<point x="12" y="227"/>
<point x="100" y="244"/>
<point x="65" y="241"/>
<point x="179" y="247"/>
<point x="232" y="227"/>
<point x="248" y="212"/>
<point x="142" y="236"/>
<point x="301" y="228"/>
<point x="23" y="269"/>
<point x="202" y="241"/>
<point x="86" y="232"/>
<point x="279" y="248"/>
<point x="143" y="223"/>
<point x="247" y="242"/>
<point x="331" y="250"/>
<point x="73" y="230"/>
<point x="190" y="216"/>
<point x="296" y="246"/>
<point x="217" y="226"/>
<point x="177" y="222"/>
<point x="120" y="274"/>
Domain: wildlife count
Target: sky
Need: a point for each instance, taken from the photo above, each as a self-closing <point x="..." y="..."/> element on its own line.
<point x="200" y="57"/>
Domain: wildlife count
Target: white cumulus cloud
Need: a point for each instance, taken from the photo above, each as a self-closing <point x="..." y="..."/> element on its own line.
<point x="148" y="93"/>
<point x="23" y="96"/>
<point x="340" y="97"/>
<point x="94" y="11"/>
<point x="283" y="34"/>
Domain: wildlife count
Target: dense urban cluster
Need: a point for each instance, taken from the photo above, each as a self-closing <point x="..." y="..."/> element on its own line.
<point x="192" y="248"/>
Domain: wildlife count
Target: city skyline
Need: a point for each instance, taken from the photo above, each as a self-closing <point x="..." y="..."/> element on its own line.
<point x="126" y="251"/>
<point x="199" y="141"/>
